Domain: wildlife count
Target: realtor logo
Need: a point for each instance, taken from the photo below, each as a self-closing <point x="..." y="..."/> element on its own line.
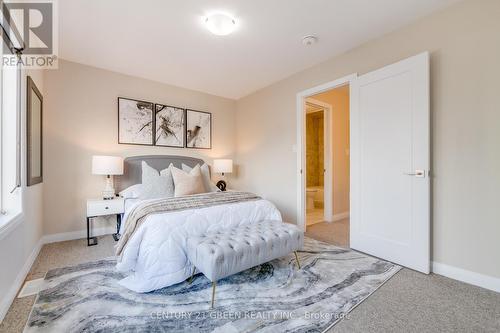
<point x="32" y="28"/>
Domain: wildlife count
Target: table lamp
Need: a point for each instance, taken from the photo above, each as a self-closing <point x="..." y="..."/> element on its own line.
<point x="107" y="166"/>
<point x="223" y="166"/>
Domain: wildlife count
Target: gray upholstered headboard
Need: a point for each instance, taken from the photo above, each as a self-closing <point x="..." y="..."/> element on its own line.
<point x="132" y="170"/>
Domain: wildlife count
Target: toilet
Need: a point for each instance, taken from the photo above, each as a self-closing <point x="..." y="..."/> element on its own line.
<point x="314" y="197"/>
<point x="310" y="197"/>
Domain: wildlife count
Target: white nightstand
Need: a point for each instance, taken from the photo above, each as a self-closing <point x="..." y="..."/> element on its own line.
<point x="99" y="207"/>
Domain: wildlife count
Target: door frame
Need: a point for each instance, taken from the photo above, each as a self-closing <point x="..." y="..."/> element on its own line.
<point x="327" y="157"/>
<point x="301" y="122"/>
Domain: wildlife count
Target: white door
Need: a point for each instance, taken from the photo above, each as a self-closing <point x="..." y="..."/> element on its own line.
<point x="390" y="148"/>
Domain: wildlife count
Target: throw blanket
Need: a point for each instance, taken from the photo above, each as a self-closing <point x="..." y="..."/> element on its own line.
<point x="137" y="216"/>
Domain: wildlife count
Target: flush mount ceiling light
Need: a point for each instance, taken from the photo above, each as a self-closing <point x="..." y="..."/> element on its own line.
<point x="220" y="24"/>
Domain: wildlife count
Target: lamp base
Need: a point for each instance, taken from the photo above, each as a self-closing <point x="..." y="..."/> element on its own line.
<point x="109" y="192"/>
<point x="221" y="185"/>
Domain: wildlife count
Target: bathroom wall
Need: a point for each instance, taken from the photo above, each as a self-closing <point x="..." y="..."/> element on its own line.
<point x="314" y="149"/>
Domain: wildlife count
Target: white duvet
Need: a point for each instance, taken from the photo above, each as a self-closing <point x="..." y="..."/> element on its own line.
<point x="155" y="256"/>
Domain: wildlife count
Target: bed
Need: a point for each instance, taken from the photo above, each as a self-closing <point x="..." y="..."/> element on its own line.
<point x="154" y="255"/>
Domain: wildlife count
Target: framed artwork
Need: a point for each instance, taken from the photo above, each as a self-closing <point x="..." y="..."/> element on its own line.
<point x="198" y="129"/>
<point x="34" y="111"/>
<point x="170" y="123"/>
<point x="135" y="122"/>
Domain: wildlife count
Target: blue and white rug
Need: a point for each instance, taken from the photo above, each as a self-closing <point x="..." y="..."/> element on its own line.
<point x="274" y="297"/>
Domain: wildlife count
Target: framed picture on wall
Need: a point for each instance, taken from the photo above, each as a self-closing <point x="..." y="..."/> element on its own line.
<point x="135" y="122"/>
<point x="198" y="129"/>
<point x="170" y="123"/>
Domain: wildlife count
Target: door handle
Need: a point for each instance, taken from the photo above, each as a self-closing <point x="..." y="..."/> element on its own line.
<point x="417" y="173"/>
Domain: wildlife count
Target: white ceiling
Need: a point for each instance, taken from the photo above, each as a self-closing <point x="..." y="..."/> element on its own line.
<point x="165" y="40"/>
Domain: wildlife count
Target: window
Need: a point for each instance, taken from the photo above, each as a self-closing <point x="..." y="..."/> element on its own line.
<point x="10" y="193"/>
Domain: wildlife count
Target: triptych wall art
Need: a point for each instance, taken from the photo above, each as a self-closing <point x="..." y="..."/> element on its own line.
<point x="145" y="123"/>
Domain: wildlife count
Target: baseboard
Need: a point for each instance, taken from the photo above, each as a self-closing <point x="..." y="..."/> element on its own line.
<point x="477" y="279"/>
<point x="18" y="282"/>
<point x="66" y="236"/>
<point x="339" y="216"/>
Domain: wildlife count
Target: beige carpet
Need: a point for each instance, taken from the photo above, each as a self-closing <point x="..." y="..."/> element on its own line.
<point x="336" y="233"/>
<point x="408" y="302"/>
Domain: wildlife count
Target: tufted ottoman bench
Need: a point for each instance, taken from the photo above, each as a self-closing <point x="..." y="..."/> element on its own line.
<point x="227" y="252"/>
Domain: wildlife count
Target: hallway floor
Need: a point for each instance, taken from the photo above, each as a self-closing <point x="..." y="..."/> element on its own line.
<point x="314" y="216"/>
<point x="336" y="233"/>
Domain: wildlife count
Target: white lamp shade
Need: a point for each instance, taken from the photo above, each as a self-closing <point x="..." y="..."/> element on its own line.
<point x="223" y="166"/>
<point x="107" y="165"/>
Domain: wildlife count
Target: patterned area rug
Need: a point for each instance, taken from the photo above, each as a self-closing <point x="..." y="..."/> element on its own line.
<point x="274" y="297"/>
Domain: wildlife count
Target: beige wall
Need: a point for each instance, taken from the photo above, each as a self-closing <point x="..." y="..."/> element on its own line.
<point x="80" y="120"/>
<point x="17" y="245"/>
<point x="339" y="100"/>
<point x="464" y="44"/>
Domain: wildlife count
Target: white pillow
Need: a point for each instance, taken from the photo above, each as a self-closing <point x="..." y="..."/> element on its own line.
<point x="156" y="184"/>
<point x="132" y="192"/>
<point x="205" y="173"/>
<point x="187" y="183"/>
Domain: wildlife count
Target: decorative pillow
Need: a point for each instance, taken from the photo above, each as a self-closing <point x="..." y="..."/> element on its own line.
<point x="155" y="184"/>
<point x="187" y="183"/>
<point x="132" y="192"/>
<point x="205" y="173"/>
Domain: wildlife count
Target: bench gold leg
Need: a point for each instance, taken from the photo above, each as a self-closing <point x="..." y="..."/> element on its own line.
<point x="192" y="275"/>
<point x="214" y="283"/>
<point x="297" y="258"/>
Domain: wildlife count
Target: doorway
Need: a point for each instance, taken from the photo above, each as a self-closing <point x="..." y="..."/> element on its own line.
<point x="327" y="166"/>
<point x="389" y="156"/>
